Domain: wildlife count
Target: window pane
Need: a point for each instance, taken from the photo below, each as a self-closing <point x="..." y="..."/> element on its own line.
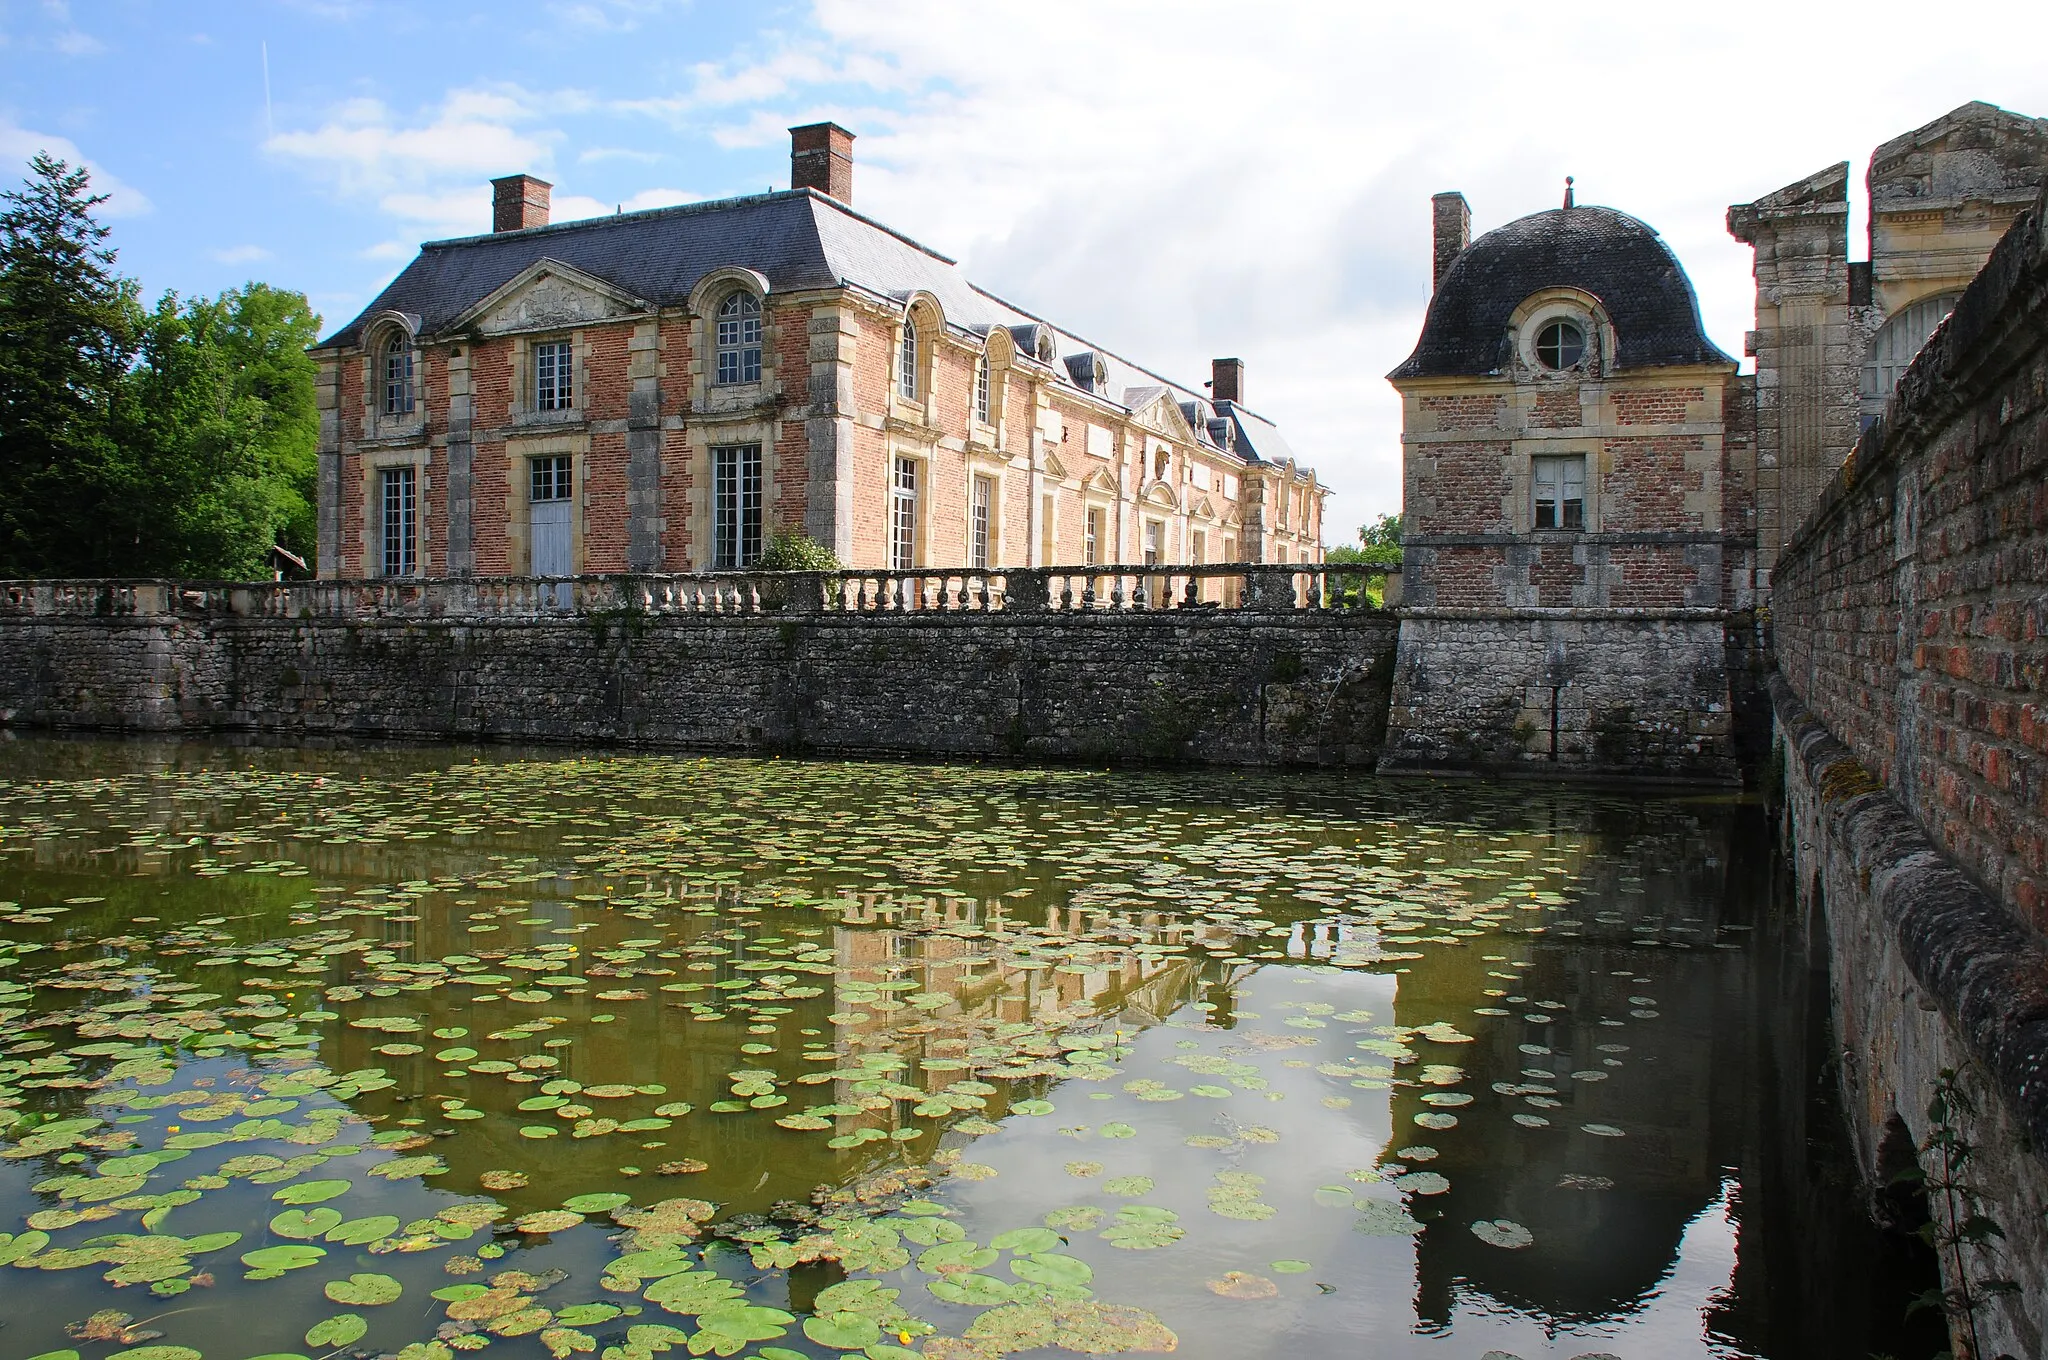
<point x="981" y="493"/>
<point x="906" y="378"/>
<point x="735" y="506"/>
<point x="397" y="377"/>
<point x="553" y="388"/>
<point x="903" y="515"/>
<point x="399" y="521"/>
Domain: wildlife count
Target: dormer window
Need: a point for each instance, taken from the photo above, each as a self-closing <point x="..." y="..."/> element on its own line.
<point x="398" y="396"/>
<point x="981" y="389"/>
<point x="906" y="361"/>
<point x="739" y="339"/>
<point x="1560" y="345"/>
<point x="554" y="387"/>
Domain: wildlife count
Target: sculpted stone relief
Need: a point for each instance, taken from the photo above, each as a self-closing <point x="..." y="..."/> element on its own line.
<point x="550" y="300"/>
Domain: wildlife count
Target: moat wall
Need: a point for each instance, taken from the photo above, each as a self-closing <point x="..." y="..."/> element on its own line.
<point x="1223" y="687"/>
<point x="1910" y="619"/>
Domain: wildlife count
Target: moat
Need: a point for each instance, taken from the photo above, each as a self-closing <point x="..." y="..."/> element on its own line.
<point x="431" y="1050"/>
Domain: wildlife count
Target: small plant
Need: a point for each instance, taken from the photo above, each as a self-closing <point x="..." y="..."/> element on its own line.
<point x="1956" y="1221"/>
<point x="796" y="551"/>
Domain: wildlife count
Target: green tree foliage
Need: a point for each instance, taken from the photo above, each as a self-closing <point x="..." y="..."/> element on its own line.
<point x="67" y="332"/>
<point x="1379" y="544"/>
<point x="172" y="442"/>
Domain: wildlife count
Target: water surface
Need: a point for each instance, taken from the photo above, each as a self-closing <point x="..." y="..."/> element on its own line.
<point x="427" y="1051"/>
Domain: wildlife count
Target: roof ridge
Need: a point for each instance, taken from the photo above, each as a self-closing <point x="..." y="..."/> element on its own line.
<point x="617" y="219"/>
<point x="1092" y="345"/>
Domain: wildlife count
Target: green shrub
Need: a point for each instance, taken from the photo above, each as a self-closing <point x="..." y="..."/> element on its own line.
<point x="796" y="551"/>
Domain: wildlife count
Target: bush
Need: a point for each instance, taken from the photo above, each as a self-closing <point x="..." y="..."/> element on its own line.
<point x="796" y="551"/>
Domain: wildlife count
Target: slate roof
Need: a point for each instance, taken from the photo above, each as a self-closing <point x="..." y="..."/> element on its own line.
<point x="1609" y="254"/>
<point x="797" y="239"/>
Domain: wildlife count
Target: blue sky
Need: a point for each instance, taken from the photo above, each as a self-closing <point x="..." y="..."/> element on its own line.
<point x="1175" y="179"/>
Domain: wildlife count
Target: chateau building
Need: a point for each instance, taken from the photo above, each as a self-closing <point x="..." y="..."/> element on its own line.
<point x="1594" y="495"/>
<point x="669" y="390"/>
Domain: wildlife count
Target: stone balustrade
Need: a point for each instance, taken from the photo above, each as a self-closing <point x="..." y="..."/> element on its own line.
<point x="1234" y="587"/>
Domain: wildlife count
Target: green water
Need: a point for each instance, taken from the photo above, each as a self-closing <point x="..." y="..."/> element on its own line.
<point x="429" y="1051"/>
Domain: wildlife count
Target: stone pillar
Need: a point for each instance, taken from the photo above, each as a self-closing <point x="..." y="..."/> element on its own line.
<point x="644" y="545"/>
<point x="327" y="521"/>
<point x="1807" y="365"/>
<point x="828" y="431"/>
<point x="461" y="453"/>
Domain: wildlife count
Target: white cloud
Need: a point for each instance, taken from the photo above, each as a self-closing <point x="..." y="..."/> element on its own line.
<point x="1181" y="179"/>
<point x="574" y="207"/>
<point x="77" y="43"/>
<point x="362" y="148"/>
<point x="241" y="254"/>
<point x="616" y="153"/>
<point x="19" y="144"/>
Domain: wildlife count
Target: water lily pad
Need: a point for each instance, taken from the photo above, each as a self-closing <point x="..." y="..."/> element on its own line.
<point x="843" y="1331"/>
<point x="305" y="1223"/>
<point x="340" y="1330"/>
<point x="364" y="1290"/>
<point x="1027" y="1241"/>
<point x="357" y="1232"/>
<point x="1384" y="1218"/>
<point x="1289" y="1267"/>
<point x="268" y="1263"/>
<point x="980" y="1291"/>
<point x="1502" y="1232"/>
<point x="1051" y="1268"/>
<point x="311" y="1192"/>
<point x="596" y="1203"/>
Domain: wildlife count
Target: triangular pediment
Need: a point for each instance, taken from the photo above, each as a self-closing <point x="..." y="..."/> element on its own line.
<point x="1162" y="416"/>
<point x="547" y="295"/>
<point x="1054" y="468"/>
<point x="1099" y="480"/>
<point x="1204" y="509"/>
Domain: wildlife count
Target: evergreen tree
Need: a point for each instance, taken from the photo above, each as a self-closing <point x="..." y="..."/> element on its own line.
<point x="67" y="328"/>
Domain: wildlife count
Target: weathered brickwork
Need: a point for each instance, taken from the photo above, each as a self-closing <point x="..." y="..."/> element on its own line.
<point x="1910" y="620"/>
<point x="1911" y="612"/>
<point x="1226" y="688"/>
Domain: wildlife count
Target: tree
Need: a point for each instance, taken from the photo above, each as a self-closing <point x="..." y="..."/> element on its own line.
<point x="67" y="334"/>
<point x="179" y="441"/>
<point x="1379" y="544"/>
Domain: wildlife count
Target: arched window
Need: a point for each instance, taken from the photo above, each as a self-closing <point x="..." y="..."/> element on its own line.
<point x="1560" y="344"/>
<point x="981" y="389"/>
<point x="906" y="360"/>
<point x="1894" y="348"/>
<point x="398" y="375"/>
<point x="739" y="339"/>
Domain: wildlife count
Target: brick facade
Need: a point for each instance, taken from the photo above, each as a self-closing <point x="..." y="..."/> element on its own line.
<point x="1072" y="430"/>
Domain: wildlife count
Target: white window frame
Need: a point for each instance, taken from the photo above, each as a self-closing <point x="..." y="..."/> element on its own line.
<point x="981" y="511"/>
<point x="1557" y="475"/>
<point x="907" y="376"/>
<point x="1093" y="524"/>
<point x="398" y="518"/>
<point x="550" y="477"/>
<point x="737" y="340"/>
<point x="1155" y="542"/>
<point x="396" y="370"/>
<point x="554" y="375"/>
<point x="903" y="504"/>
<point x="736" y="506"/>
<point x="981" y="386"/>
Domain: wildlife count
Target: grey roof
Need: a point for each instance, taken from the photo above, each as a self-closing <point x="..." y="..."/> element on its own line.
<point x="1609" y="254"/>
<point x="797" y="239"/>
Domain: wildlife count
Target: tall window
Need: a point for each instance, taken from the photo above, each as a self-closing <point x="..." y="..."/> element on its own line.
<point x="739" y="339"/>
<point x="1560" y="488"/>
<point x="1198" y="547"/>
<point x="906" y="361"/>
<point x="1894" y="348"/>
<point x="399" y="520"/>
<point x="981" y="389"/>
<point x="735" y="506"/>
<point x="554" y="389"/>
<point x="981" y="494"/>
<point x="1048" y="537"/>
<point x="1155" y="537"/>
<point x="903" y="515"/>
<point x="1091" y="536"/>
<point x="398" y="376"/>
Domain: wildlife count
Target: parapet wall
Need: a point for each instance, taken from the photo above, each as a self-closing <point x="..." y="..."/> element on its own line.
<point x="629" y="661"/>
<point x="1910" y="612"/>
<point x="1910" y="620"/>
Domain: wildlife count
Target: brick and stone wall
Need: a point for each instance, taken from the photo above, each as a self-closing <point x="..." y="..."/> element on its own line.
<point x="1910" y="619"/>
<point x="1215" y="686"/>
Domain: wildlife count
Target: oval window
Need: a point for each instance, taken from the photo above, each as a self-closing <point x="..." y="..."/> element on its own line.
<point x="1560" y="345"/>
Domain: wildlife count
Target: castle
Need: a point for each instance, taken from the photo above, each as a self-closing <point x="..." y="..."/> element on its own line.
<point x="670" y="390"/>
<point x="1594" y="495"/>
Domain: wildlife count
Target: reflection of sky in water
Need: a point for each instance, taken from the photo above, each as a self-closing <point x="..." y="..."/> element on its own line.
<point x="1592" y="1082"/>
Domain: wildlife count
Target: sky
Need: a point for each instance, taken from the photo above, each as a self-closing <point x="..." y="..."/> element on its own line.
<point x="1175" y="180"/>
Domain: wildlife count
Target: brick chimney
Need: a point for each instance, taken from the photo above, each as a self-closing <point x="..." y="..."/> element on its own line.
<point x="821" y="158"/>
<point x="1226" y="380"/>
<point x="1453" y="219"/>
<point x="518" y="202"/>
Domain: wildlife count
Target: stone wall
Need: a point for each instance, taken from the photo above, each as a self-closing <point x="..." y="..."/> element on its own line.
<point x="1910" y="619"/>
<point x="1578" y="692"/>
<point x="1226" y="687"/>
